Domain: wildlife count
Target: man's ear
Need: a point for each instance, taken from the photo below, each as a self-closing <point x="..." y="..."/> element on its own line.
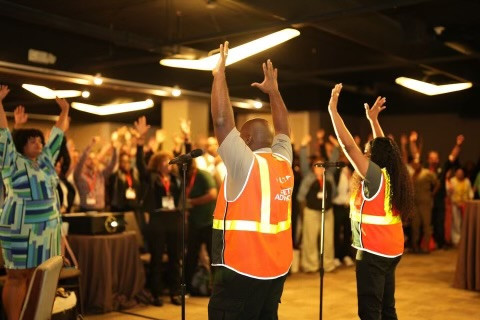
<point x="248" y="140"/>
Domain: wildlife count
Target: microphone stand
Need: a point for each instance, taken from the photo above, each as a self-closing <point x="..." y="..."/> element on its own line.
<point x="322" y="236"/>
<point x="183" y="286"/>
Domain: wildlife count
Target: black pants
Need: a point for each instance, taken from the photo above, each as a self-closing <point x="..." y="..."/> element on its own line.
<point x="196" y="236"/>
<point x="239" y="297"/>
<point x="163" y="232"/>
<point x="438" y="222"/>
<point x="376" y="286"/>
<point x="342" y="233"/>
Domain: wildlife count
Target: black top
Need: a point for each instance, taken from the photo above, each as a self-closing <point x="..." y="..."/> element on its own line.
<point x="153" y="188"/>
<point x="313" y="199"/>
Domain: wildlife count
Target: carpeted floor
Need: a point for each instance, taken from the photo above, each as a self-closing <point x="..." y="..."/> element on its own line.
<point x="423" y="291"/>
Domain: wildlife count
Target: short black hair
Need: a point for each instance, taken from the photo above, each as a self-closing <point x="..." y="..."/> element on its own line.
<point x="21" y="136"/>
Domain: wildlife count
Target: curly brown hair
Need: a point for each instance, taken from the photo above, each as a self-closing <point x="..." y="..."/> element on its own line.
<point x="385" y="153"/>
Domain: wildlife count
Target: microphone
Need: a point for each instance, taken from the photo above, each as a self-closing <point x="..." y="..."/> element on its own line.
<point x="337" y="164"/>
<point x="186" y="157"/>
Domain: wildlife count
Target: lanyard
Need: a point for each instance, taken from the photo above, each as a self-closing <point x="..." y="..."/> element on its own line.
<point x="320" y="183"/>
<point x="192" y="181"/>
<point x="91" y="181"/>
<point x="166" y="184"/>
<point x="128" y="176"/>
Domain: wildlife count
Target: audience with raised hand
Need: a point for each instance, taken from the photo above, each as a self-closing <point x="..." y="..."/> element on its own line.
<point x="142" y="181"/>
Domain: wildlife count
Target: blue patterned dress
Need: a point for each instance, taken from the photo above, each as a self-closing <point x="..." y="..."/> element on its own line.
<point x="30" y="216"/>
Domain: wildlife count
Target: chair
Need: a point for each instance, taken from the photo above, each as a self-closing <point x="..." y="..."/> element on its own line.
<point x="41" y="291"/>
<point x="70" y="277"/>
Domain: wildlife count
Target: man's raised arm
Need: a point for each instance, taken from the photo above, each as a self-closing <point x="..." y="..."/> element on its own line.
<point x="222" y="113"/>
<point x="270" y="87"/>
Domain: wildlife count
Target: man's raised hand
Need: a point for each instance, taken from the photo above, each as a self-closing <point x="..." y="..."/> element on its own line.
<point x="220" y="67"/>
<point x="270" y="83"/>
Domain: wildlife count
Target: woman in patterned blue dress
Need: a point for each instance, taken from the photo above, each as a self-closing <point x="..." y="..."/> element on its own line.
<point x="30" y="216"/>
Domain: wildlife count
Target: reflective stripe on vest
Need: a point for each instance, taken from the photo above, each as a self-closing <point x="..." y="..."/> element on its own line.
<point x="264" y="226"/>
<point x="388" y="218"/>
<point x="370" y="219"/>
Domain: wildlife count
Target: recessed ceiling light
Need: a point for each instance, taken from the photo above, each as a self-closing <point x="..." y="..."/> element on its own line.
<point x="47" y="93"/>
<point x="257" y="104"/>
<point x="97" y="80"/>
<point x="429" y="88"/>
<point x="176" y="92"/>
<point x="113" y="108"/>
<point x="235" y="54"/>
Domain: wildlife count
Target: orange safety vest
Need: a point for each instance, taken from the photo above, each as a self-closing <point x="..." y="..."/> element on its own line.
<point x="252" y="234"/>
<point x="376" y="226"/>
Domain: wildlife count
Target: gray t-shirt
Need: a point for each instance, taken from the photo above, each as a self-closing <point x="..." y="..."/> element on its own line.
<point x="238" y="159"/>
<point x="372" y="179"/>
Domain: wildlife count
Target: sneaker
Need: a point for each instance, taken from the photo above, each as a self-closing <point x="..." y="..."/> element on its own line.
<point x="330" y="268"/>
<point x="348" y="261"/>
<point x="176" y="300"/>
<point x="337" y="262"/>
<point x="157" y="301"/>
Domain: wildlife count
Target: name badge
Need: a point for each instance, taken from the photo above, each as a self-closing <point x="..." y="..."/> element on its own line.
<point x="320" y="195"/>
<point x="168" y="203"/>
<point x="130" y="194"/>
<point x="91" y="201"/>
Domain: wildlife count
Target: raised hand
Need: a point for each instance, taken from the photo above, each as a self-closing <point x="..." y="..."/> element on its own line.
<point x="160" y="136"/>
<point x="95" y="140"/>
<point x="3" y="92"/>
<point x="332" y="105"/>
<point x="378" y="106"/>
<point x="63" y="121"/>
<point x="270" y="83"/>
<point x="141" y="126"/>
<point x="185" y="127"/>
<point x="413" y="136"/>
<point x="63" y="104"/>
<point x="320" y="134"/>
<point x="177" y="139"/>
<point x="306" y="140"/>
<point x="220" y="67"/>
<point x="460" y="139"/>
<point x="20" y="116"/>
<point x="333" y="140"/>
<point x="403" y="139"/>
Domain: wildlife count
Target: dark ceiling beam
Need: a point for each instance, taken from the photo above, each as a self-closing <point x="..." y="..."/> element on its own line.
<point x="380" y="66"/>
<point x="42" y="18"/>
<point x="131" y="40"/>
<point x="341" y="12"/>
<point x="368" y="38"/>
